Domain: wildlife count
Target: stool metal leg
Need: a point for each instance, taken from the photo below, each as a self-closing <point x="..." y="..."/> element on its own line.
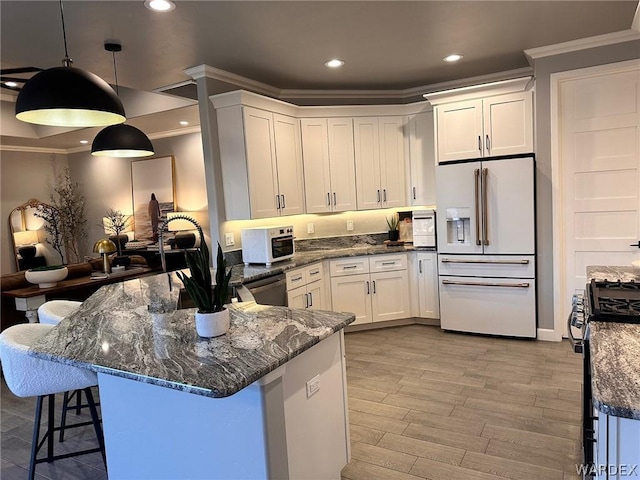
<point x="36" y="437"/>
<point x="63" y="420"/>
<point x="50" y="423"/>
<point x="96" y="423"/>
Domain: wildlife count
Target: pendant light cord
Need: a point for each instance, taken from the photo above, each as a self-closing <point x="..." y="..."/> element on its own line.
<point x="115" y="72"/>
<point x="66" y="61"/>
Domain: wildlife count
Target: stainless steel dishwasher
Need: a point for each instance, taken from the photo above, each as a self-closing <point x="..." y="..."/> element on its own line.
<point x="266" y="291"/>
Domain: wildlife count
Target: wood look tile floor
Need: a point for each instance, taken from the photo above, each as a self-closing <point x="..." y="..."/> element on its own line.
<point x="423" y="404"/>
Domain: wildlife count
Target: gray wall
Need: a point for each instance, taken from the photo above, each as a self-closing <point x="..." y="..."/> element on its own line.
<point x="543" y="69"/>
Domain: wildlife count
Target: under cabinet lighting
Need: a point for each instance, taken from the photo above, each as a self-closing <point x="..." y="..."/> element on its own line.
<point x="184" y="123"/>
<point x="84" y="142"/>
<point x="11" y="84"/>
<point x="159" y="5"/>
<point x="454" y="57"/>
<point x="335" y="63"/>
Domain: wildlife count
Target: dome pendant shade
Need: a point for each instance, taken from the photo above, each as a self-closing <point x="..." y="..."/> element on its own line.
<point x="121" y="141"/>
<point x="68" y="97"/>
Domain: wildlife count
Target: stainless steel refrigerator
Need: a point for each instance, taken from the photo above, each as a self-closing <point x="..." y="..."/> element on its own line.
<point x="486" y="246"/>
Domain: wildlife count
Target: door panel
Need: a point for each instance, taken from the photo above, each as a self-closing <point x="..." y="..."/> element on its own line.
<point x="390" y="296"/>
<point x="422" y="153"/>
<point x="316" y="294"/>
<point x="459" y="130"/>
<point x="367" y="151"/>
<point x="392" y="164"/>
<point x="508" y="122"/>
<point x="315" y="153"/>
<point x="289" y="164"/>
<point x="351" y="293"/>
<point x="342" y="164"/>
<point x="297" y="298"/>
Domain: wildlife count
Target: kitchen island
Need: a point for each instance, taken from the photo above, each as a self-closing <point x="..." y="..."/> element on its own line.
<point x="266" y="400"/>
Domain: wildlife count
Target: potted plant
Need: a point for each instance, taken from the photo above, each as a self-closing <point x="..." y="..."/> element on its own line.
<point x="115" y="223"/>
<point x="46" y="276"/>
<point x="393" y="223"/>
<point x="212" y="318"/>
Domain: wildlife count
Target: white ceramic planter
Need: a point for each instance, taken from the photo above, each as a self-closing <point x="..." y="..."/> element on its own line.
<point x="212" y="324"/>
<point x="46" y="278"/>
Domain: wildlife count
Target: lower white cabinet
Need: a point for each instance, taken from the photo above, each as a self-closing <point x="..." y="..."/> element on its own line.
<point x="617" y="447"/>
<point x="428" y="285"/>
<point x="372" y="297"/>
<point x="305" y="287"/>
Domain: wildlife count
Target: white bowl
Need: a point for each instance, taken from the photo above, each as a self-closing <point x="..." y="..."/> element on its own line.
<point x="46" y="278"/>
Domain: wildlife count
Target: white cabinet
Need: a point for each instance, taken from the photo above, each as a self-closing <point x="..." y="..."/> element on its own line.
<point x="422" y="159"/>
<point x="373" y="288"/>
<point x="380" y="162"/>
<point x="484" y="127"/>
<point x="261" y="162"/>
<point x="617" y="446"/>
<point x="329" y="169"/>
<point x="305" y="287"/>
<point x="429" y="305"/>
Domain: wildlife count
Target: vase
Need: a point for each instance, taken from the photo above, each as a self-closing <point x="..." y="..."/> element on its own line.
<point x="212" y="324"/>
<point x="394" y="235"/>
<point x="46" y="278"/>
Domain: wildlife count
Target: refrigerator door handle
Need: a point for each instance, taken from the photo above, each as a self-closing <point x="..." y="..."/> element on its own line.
<point x="487" y="284"/>
<point x="485" y="210"/>
<point x="496" y="262"/>
<point x="476" y="174"/>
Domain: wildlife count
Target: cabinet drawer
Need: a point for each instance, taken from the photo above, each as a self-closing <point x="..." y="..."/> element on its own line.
<point x="349" y="266"/>
<point x="296" y="278"/>
<point x="387" y="263"/>
<point x="315" y="272"/>
<point x="507" y="266"/>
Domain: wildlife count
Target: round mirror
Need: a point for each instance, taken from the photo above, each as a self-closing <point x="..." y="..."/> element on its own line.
<point x="29" y="238"/>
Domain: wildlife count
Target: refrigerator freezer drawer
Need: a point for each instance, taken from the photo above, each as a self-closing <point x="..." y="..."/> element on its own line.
<point x="512" y="266"/>
<point x="496" y="306"/>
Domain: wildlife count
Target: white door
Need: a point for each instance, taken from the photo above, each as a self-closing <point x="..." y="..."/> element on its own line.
<point x="600" y="172"/>
<point x="459" y="130"/>
<point x="428" y="285"/>
<point x="392" y="161"/>
<point x="509" y="215"/>
<point x="316" y="294"/>
<point x="390" y="296"/>
<point x="297" y="298"/>
<point x="289" y="164"/>
<point x="342" y="164"/>
<point x="352" y="293"/>
<point x="508" y="124"/>
<point x="367" y="155"/>
<point x="422" y="159"/>
<point x="315" y="155"/>
<point x="263" y="180"/>
<point x="459" y="214"/>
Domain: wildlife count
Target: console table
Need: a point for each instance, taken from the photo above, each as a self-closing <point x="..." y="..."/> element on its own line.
<point x="28" y="299"/>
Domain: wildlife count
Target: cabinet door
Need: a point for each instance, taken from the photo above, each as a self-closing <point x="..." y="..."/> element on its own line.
<point x="422" y="159"/>
<point x="351" y="293"/>
<point x="367" y="155"/>
<point x="263" y="180"/>
<point x="316" y="294"/>
<point x="317" y="176"/>
<point x="342" y="164"/>
<point x="459" y="130"/>
<point x="390" y="296"/>
<point x="289" y="164"/>
<point x="297" y="298"/>
<point x="508" y="124"/>
<point x="392" y="161"/>
<point x="428" y="285"/>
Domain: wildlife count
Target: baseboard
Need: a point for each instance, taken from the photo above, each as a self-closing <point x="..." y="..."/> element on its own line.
<point x="549" y="335"/>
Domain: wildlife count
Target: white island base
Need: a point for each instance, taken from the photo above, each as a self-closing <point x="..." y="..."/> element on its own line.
<point x="271" y="429"/>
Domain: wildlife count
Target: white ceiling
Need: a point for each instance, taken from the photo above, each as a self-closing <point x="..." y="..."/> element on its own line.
<point x="386" y="45"/>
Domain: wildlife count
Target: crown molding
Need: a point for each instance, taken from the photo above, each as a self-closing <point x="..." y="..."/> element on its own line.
<point x="207" y="71"/>
<point x="345" y="94"/>
<point x="486" y="89"/>
<point x="582" y="44"/>
<point x="26" y="149"/>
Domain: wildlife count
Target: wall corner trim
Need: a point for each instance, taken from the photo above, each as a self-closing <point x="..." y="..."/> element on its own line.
<point x="549" y="335"/>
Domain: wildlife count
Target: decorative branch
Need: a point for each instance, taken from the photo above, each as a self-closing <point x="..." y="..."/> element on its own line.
<point x="53" y="227"/>
<point x="118" y="223"/>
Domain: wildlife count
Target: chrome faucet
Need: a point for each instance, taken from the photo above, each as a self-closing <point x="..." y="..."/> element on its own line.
<point x="164" y="226"/>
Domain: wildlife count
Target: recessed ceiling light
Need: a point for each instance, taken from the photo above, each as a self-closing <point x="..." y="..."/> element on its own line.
<point x="184" y="123"/>
<point x="159" y="5"/>
<point x="11" y="84"/>
<point x="335" y="63"/>
<point x="84" y="142"/>
<point x="454" y="57"/>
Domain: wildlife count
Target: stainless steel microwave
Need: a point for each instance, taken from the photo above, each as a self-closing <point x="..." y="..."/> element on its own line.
<point x="266" y="245"/>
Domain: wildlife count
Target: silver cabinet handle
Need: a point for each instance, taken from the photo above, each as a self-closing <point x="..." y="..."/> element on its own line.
<point x="487" y="143"/>
<point x="306" y="300"/>
<point x="283" y="205"/>
<point x="420" y="266"/>
<point x="497" y="262"/>
<point x="487" y="284"/>
<point x="378" y="196"/>
<point x="334" y="198"/>
<point x="349" y="267"/>
<point x="388" y="263"/>
<point x="368" y="292"/>
<point x="414" y="193"/>
<point x="278" y="201"/>
<point x="485" y="208"/>
<point x="296" y="279"/>
<point x="314" y="273"/>
<point x="384" y="195"/>
<point x="480" y="143"/>
<point x="476" y="176"/>
<point x="328" y="199"/>
<point x="310" y="299"/>
<point x="374" y="286"/>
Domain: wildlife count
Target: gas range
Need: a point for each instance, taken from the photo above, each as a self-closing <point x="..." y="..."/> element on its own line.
<point x="614" y="301"/>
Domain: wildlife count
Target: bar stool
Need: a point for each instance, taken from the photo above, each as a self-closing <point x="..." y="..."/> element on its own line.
<point x="28" y="376"/>
<point x="52" y="313"/>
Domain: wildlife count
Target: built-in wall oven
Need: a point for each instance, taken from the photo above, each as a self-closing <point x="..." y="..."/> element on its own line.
<point x="602" y="301"/>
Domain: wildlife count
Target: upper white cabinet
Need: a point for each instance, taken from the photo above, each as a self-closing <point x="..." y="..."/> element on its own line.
<point x="422" y="159"/>
<point x="328" y="157"/>
<point x="484" y="121"/>
<point x="380" y="169"/>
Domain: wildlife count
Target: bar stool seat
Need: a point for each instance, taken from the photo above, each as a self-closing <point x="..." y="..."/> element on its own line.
<point x="28" y="376"/>
<point x="53" y="311"/>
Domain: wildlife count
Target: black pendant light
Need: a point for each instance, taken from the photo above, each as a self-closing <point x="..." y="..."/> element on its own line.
<point x="120" y="140"/>
<point x="68" y="97"/>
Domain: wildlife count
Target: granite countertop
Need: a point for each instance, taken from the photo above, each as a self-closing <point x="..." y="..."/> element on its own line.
<point x="113" y="332"/>
<point x="615" y="355"/>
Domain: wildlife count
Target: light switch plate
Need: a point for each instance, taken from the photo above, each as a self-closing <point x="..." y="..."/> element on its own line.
<point x="350" y="225"/>
<point x="229" y="241"/>
<point x="310" y="228"/>
<point x="313" y="385"/>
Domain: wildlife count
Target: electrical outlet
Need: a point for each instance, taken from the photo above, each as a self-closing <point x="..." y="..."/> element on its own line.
<point x="229" y="241"/>
<point x="313" y="385"/>
<point x="350" y="225"/>
<point x="310" y="228"/>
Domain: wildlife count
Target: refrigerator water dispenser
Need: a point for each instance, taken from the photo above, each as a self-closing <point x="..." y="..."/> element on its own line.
<point x="458" y="225"/>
